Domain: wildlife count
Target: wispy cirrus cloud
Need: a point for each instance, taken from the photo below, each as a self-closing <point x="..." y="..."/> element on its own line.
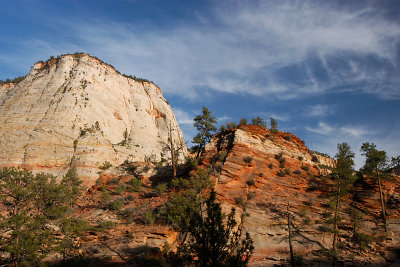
<point x="326" y="137"/>
<point x="355" y="131"/>
<point x="279" y="49"/>
<point x="319" y="110"/>
<point x="322" y="128"/>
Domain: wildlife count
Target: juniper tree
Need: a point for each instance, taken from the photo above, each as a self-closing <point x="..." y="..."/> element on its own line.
<point x="205" y="125"/>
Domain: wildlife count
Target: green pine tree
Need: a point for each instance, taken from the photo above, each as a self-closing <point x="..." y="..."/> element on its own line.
<point x="343" y="178"/>
<point x="213" y="241"/>
<point x="274" y="125"/>
<point x="375" y="165"/>
<point x="205" y="125"/>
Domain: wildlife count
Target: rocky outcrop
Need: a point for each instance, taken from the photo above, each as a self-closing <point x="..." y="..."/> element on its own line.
<point x="267" y="172"/>
<point x="4" y="88"/>
<point x="78" y="111"/>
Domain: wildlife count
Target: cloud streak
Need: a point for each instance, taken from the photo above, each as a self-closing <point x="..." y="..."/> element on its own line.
<point x="320" y="110"/>
<point x="283" y="50"/>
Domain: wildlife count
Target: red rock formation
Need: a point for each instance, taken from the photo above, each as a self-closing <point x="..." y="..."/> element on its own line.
<point x="269" y="171"/>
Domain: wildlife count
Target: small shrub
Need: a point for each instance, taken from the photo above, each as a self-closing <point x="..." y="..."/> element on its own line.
<point x="120" y="189"/>
<point x="303" y="213"/>
<point x="288" y="137"/>
<point x="362" y="239"/>
<point x="106" y="225"/>
<point x="222" y="155"/>
<point x="243" y="121"/>
<point x="326" y="214"/>
<point x="248" y="159"/>
<point x="251" y="195"/>
<point x="130" y="198"/>
<point x="330" y="204"/>
<point x="261" y="174"/>
<point x="274" y="131"/>
<point x="314" y="158"/>
<point x="116" y="204"/>
<point x="222" y="128"/>
<point x="175" y="182"/>
<point x="99" y="181"/>
<point x="298" y="260"/>
<point x="300" y="157"/>
<point x="279" y="156"/>
<point x="325" y="228"/>
<point x="149" y="217"/>
<point x="231" y="125"/>
<point x="160" y="188"/>
<point x="130" y="168"/>
<point x="297" y="172"/>
<point x="306" y="168"/>
<point x="129" y="214"/>
<point x="250" y="182"/>
<point x="309" y="202"/>
<point x="287" y="171"/>
<point x="106" y="165"/>
<point x="113" y="181"/>
<point x="282" y="162"/>
<point x="179" y="182"/>
<point x="191" y="163"/>
<point x="259" y="121"/>
<point x="135" y="185"/>
<point x="270" y="166"/>
<point x="105" y="196"/>
<point x="239" y="201"/>
<point x="281" y="173"/>
<point x="83" y="132"/>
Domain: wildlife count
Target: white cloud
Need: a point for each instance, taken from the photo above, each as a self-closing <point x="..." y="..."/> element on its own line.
<point x="182" y="116"/>
<point x="223" y="118"/>
<point x="354" y="131"/>
<point x="320" y="110"/>
<point x="322" y="128"/>
<point x="277" y="116"/>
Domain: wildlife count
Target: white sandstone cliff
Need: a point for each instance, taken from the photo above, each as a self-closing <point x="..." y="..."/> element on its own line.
<point x="78" y="111"/>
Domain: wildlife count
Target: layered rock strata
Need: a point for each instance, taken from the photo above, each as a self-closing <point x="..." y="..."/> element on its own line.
<point x="269" y="174"/>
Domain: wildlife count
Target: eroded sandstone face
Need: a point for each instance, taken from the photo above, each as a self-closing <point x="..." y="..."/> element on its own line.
<point x="78" y="111"/>
<point x="266" y="172"/>
<point x="4" y="88"/>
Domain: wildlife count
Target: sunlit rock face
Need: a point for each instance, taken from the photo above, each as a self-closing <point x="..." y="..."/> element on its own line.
<point x="76" y="111"/>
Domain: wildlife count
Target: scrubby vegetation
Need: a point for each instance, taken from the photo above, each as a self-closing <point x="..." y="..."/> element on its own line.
<point x="15" y="80"/>
<point x="33" y="202"/>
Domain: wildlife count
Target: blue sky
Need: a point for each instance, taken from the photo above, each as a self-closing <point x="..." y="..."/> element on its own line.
<point x="328" y="71"/>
